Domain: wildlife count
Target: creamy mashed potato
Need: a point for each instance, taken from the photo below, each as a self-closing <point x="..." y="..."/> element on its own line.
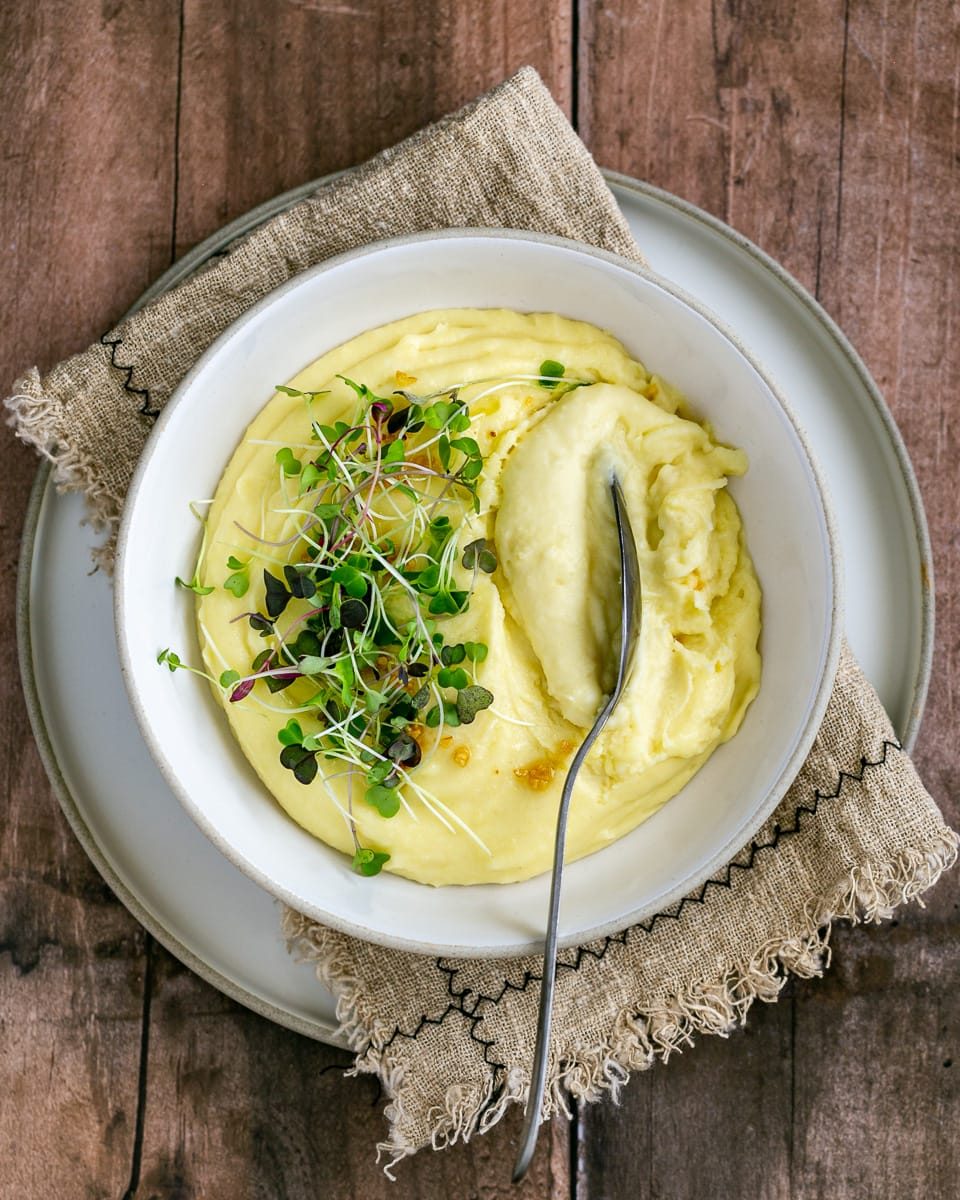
<point x="548" y="611"/>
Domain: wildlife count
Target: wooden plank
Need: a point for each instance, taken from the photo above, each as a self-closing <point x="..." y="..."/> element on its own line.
<point x="735" y="108"/>
<point x="238" y="1106"/>
<point x="829" y="137"/>
<point x="877" y="1044"/>
<point x="274" y="95"/>
<point x="85" y="205"/>
<point x="877" y="1093"/>
<point x="713" y="1122"/>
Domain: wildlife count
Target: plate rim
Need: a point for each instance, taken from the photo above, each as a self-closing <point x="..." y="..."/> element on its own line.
<point x="890" y="427"/>
<point x="314" y="1027"/>
<point x="720" y="857"/>
<point x="191" y="261"/>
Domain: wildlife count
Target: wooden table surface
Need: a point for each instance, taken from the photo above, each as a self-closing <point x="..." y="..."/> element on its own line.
<point x="826" y="131"/>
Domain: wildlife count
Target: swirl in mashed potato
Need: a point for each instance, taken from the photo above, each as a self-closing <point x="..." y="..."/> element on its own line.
<point x="548" y="611"/>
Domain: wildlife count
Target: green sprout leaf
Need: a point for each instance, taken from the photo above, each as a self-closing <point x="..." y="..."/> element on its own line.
<point x="228" y="678"/>
<point x="289" y="463"/>
<point x="312" y="664"/>
<point x="471" y="469"/>
<point x="194" y="585"/>
<point x="292" y="391"/>
<point x="238" y="583"/>
<point x="467" y="446"/>
<point x="451" y="655"/>
<point x="383" y="772"/>
<point x="451" y="602"/>
<point x="470" y="701"/>
<point x="277" y="595"/>
<point x="455" y="677"/>
<point x="438" y="414"/>
<point x="291" y="734"/>
<point x="352" y="582"/>
<point x="450" y="715"/>
<point x="299" y="760"/>
<point x="475" y="651"/>
<point x="394" y="453"/>
<point x="385" y="800"/>
<point x="552" y="373"/>
<point x="480" y="555"/>
<point x="369" y="862"/>
<point x="310" y="477"/>
<point x="360" y="388"/>
<point x="169" y="659"/>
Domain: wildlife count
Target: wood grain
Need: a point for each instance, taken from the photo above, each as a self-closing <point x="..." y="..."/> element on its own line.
<point x="276" y="94"/>
<point x="715" y="1122"/>
<point x="197" y="1096"/>
<point x="827" y="133"/>
<point x="86" y="192"/>
<point x="226" y="1087"/>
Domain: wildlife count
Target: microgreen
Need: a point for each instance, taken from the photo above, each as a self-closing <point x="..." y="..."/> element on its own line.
<point x="470" y="701"/>
<point x="277" y="596"/>
<point x="480" y="554"/>
<point x="354" y="603"/>
<point x="291" y="734"/>
<point x="169" y="659"/>
<point x="302" y="762"/>
<point x="289" y="463"/>
<point x="238" y="582"/>
<point x="551" y="372"/>
<point x="385" y="800"/>
<point x="455" y="677"/>
<point x="292" y="391"/>
<point x="369" y="862"/>
<point x="450" y="715"/>
<point x="193" y="585"/>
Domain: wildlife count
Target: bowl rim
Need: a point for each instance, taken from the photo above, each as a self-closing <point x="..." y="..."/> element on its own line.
<point x="747" y="828"/>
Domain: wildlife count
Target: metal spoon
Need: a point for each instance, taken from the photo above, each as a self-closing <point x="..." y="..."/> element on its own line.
<point x="630" y="607"/>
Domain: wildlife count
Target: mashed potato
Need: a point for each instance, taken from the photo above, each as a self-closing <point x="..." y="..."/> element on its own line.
<point x="547" y="613"/>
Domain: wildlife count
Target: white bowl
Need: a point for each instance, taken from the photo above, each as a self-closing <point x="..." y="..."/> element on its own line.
<point x="784" y="510"/>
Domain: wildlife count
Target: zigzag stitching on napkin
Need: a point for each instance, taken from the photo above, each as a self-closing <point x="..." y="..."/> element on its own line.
<point x="425" y="1020"/>
<point x="146" y="409"/>
<point x="778" y="833"/>
<point x="754" y="849"/>
<point x="459" y="998"/>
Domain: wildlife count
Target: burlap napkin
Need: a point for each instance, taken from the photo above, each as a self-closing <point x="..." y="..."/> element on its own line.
<point x="451" y="1040"/>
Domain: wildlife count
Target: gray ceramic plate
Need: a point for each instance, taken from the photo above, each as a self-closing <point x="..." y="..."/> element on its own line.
<point x="148" y="849"/>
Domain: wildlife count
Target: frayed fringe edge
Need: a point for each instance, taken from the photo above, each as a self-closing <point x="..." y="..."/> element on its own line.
<point x="867" y="894"/>
<point x="34" y="418"/>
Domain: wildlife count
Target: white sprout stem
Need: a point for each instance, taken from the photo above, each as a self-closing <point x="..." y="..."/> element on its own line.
<point x="347" y="816"/>
<point x="213" y="646"/>
<point x="429" y="798"/>
<point x="274" y="442"/>
<point x="514" y="720"/>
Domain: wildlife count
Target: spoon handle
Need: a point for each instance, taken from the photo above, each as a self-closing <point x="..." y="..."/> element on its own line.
<point x="629" y="618"/>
